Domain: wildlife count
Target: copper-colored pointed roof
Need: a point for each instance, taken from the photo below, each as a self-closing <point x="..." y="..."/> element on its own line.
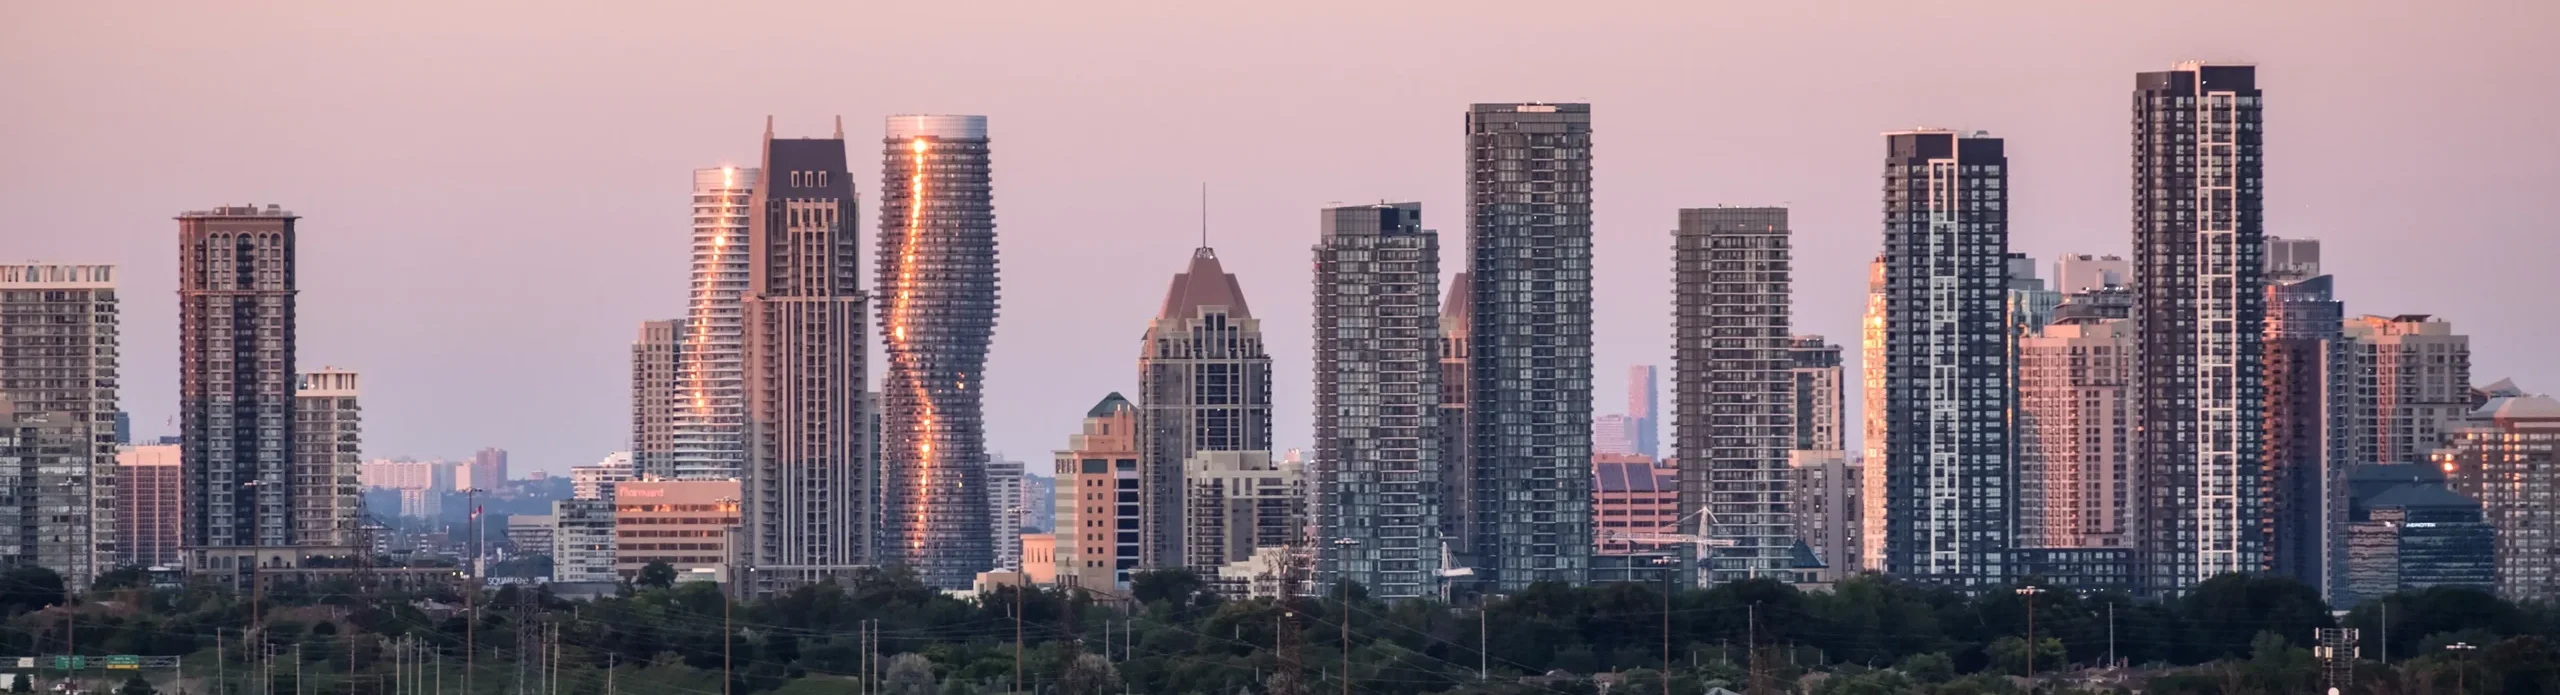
<point x="1458" y="305"/>
<point x="1204" y="284"/>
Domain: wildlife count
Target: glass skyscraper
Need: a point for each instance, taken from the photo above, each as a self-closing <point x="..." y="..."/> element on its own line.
<point x="1377" y="301"/>
<point x="937" y="295"/>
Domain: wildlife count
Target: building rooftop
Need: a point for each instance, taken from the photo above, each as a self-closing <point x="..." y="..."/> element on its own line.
<point x="2421" y="495"/>
<point x="1110" y="405"/>
<point x="1204" y="284"/>
<point x="251" y="210"/>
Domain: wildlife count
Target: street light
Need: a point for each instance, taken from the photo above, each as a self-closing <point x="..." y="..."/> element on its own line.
<point x="1021" y="583"/>
<point x="2462" y="668"/>
<point x="2030" y="592"/>
<point x="1666" y="562"/>
<point x="1341" y="557"/>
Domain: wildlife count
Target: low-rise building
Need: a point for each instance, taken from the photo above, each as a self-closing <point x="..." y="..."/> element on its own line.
<point x="686" y="524"/>
<point x="582" y="541"/>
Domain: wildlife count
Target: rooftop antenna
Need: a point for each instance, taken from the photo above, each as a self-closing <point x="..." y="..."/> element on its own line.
<point x="768" y="126"/>
<point x="1204" y="214"/>
<point x="839" y="126"/>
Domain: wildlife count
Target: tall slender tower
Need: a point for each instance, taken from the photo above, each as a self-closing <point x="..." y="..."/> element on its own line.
<point x="709" y="437"/>
<point x="1948" y="377"/>
<point x="1735" y="393"/>
<point x="937" y="298"/>
<point x="2200" y="310"/>
<point x="1529" y="268"/>
<point x="1871" y="422"/>
<point x="1644" y="409"/>
<point x="1205" y="385"/>
<point x="325" y="454"/>
<point x="236" y="376"/>
<point x="1377" y="307"/>
<point x="806" y="493"/>
<point x="61" y="385"/>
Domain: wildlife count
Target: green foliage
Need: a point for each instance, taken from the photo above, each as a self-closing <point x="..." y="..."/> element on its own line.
<point x="135" y="686"/>
<point x="29" y="588"/>
<point x="656" y="575"/>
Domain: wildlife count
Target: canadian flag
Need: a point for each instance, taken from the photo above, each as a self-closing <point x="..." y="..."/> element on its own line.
<point x="475" y="511"/>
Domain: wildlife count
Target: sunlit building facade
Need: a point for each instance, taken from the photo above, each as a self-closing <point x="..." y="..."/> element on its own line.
<point x="708" y="434"/>
<point x="1204" y="385"/>
<point x="937" y="306"/>
<point x="327" y="449"/>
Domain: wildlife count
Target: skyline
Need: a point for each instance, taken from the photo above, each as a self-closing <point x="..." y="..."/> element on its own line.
<point x="521" y="245"/>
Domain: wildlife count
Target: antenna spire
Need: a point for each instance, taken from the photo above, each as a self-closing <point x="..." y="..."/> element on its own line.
<point x="839" y="126"/>
<point x="768" y="126"/>
<point x="1204" y="214"/>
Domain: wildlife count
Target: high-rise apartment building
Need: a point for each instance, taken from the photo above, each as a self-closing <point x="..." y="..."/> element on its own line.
<point x="657" y="396"/>
<point x="58" y="332"/>
<point x="582" y="541"/>
<point x="2413" y="382"/>
<point x="1458" y="479"/>
<point x="1377" y="467"/>
<point x="1614" y="434"/>
<point x="1004" y="497"/>
<point x="1236" y="502"/>
<point x="1734" y="386"/>
<point x="2292" y="259"/>
<point x="2200" y="309"/>
<point x="1644" y="409"/>
<point x="807" y="486"/>
<point x="1529" y="277"/>
<point x="2081" y="272"/>
<point x="1825" y="485"/>
<point x="1871" y="421"/>
<point x="2508" y="454"/>
<point x="937" y="297"/>
<point x="236" y="378"/>
<point x="1950" y="482"/>
<point x="2310" y="410"/>
<point x="1821" y="394"/>
<point x="596" y="481"/>
<point x="487" y="470"/>
<point x="709" y="433"/>
<point x="328" y="446"/>
<point x="406" y="474"/>
<point x="147" y="494"/>
<point x="1204" y="384"/>
<point x="1096" y="542"/>
<point x="2074" y="419"/>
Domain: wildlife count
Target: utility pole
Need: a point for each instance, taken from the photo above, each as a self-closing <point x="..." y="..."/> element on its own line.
<point x="1342" y="546"/>
<point x="2111" y="635"/>
<point x="2030" y="592"/>
<point x="2461" y="668"/>
<point x="221" y="667"/>
<point x="1665" y="563"/>
<point x="725" y="640"/>
<point x="470" y="588"/>
<point x="1484" y="645"/>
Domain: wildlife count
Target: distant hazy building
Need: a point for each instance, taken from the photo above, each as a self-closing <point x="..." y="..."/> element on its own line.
<point x="2413" y="378"/>
<point x="2075" y="408"/>
<point x="1236" y="502"/>
<point x="708" y="440"/>
<point x="1948" y="375"/>
<point x="1632" y="496"/>
<point x="1821" y="394"/>
<point x="2292" y="259"/>
<point x="2081" y="272"/>
<point x="2031" y="304"/>
<point x="1204" y="384"/>
<point x="406" y="474"/>
<point x="1826" y="508"/>
<point x="808" y="479"/>
<point x="1615" y="434"/>
<point x="1099" y="499"/>
<point x="60" y="384"/>
<point x="1734" y="386"/>
<point x="1039" y="503"/>
<point x="1377" y="467"/>
<point x="328" y="446"/>
<point x="422" y="503"/>
<point x="487" y="470"/>
<point x="1529" y="189"/>
<point x="533" y="534"/>
<point x="2198" y="218"/>
<point x="236" y="376"/>
<point x="596" y="481"/>
<point x="147" y="494"/>
<point x="582" y="542"/>
<point x="685" y="523"/>
<point x="937" y="293"/>
<point x="1644" y="409"/>
<point x="2507" y="455"/>
<point x="657" y="396"/>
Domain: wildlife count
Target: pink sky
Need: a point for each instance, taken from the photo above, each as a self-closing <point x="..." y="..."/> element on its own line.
<point x="495" y="195"/>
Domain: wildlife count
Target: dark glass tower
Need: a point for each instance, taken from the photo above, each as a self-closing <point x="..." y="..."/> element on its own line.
<point x="1950" y="482"/>
<point x="2307" y="410"/>
<point x="1377" y="304"/>
<point x="2200" y="308"/>
<point x="1529" y="269"/>
<point x="806" y="486"/>
<point x="937" y="308"/>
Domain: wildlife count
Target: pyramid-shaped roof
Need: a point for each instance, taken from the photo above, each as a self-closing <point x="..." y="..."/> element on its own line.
<point x="1205" y="283"/>
<point x="1110" y="405"/>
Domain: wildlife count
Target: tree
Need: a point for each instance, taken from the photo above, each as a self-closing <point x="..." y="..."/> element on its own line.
<point x="1927" y="667"/>
<point x="30" y="588"/>
<point x="2009" y="654"/>
<point x="657" y="575"/>
<point x="135" y="686"/>
<point x="121" y="578"/>
<point x="908" y="674"/>
<point x="1175" y="586"/>
<point x="1091" y="674"/>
